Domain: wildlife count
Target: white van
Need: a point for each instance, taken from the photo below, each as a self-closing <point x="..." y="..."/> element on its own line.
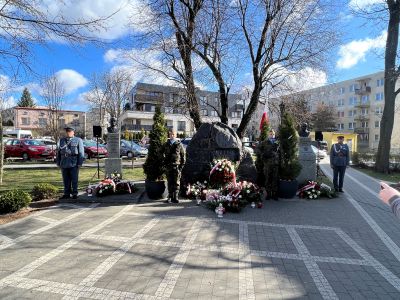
<point x="17" y="133"/>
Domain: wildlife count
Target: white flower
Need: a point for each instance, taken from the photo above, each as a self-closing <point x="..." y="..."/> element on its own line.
<point x="313" y="190"/>
<point x="240" y="196"/>
<point x="205" y="181"/>
<point x="315" y="196"/>
<point x="247" y="191"/>
<point x="310" y="197"/>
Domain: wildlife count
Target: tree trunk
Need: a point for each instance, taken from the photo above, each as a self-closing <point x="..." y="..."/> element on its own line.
<point x="391" y="75"/>
<point x="255" y="96"/>
<point x="1" y="150"/>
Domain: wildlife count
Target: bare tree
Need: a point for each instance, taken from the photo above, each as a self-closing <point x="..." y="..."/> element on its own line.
<point x="97" y="96"/>
<point x="53" y="93"/>
<point x="324" y="118"/>
<point x="4" y="88"/>
<point x="118" y="86"/>
<point x="24" y="23"/>
<point x="282" y="35"/>
<point x="170" y="38"/>
<point x="392" y="74"/>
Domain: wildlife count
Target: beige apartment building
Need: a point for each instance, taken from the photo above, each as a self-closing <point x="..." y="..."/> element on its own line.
<point x="145" y="97"/>
<point x="36" y="119"/>
<point x="359" y="104"/>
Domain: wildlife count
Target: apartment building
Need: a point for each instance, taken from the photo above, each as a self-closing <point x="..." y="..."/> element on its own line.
<point x="37" y="118"/>
<point x="145" y="97"/>
<point x="359" y="104"/>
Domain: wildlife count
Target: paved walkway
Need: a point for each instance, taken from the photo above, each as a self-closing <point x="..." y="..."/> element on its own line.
<point x="344" y="248"/>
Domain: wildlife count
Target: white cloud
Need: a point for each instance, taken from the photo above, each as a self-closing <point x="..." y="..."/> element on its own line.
<point x="352" y="53"/>
<point x="71" y="80"/>
<point x="362" y="4"/>
<point x="121" y="13"/>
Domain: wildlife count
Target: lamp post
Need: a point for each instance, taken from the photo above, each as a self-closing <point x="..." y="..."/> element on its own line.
<point x="282" y="110"/>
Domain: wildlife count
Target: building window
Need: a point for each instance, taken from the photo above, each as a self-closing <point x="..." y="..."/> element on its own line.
<point x="25" y="121"/>
<point x="379" y="96"/>
<point x="236" y="114"/>
<point x="352" y="88"/>
<point x="379" y="110"/>
<point x="204" y="112"/>
<point x="342" y="90"/>
<point x="364" y="124"/>
<point x="364" y="111"/>
<point x="203" y="100"/>
<point x="153" y="94"/>
<point x="340" y="126"/>
<point x="365" y="99"/>
<point x="340" y="102"/>
<point x="377" y="124"/>
<point x="352" y="125"/>
<point x="42" y="121"/>
<point x="340" y="114"/>
<point x="353" y="101"/>
<point x="138" y="122"/>
<point x="213" y="113"/>
<point x="168" y="110"/>
<point x="376" y="137"/>
<point x="352" y="113"/>
<point x="379" y="82"/>
<point x="62" y="122"/>
<point x="76" y="115"/>
<point x="235" y="126"/>
<point x="181" y="126"/>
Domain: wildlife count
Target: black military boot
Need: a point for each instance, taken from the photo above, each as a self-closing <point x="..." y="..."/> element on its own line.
<point x="169" y="199"/>
<point x="175" y="197"/>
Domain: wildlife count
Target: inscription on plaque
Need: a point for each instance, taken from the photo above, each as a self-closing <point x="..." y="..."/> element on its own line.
<point x="113" y="145"/>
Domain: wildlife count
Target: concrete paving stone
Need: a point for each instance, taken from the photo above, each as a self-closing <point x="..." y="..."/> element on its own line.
<point x="76" y="262"/>
<point x="21" y="227"/>
<point x="267" y="238"/>
<point x="124" y="226"/>
<point x="9" y="293"/>
<point x="326" y="243"/>
<point x="219" y="234"/>
<point x="137" y="261"/>
<point x="170" y="230"/>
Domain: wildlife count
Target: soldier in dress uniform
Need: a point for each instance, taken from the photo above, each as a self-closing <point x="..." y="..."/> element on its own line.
<point x="70" y="156"/>
<point x="269" y="165"/>
<point x="339" y="158"/>
<point x="174" y="160"/>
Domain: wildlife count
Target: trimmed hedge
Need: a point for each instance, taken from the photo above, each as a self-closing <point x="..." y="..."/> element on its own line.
<point x="13" y="201"/>
<point x="44" y="191"/>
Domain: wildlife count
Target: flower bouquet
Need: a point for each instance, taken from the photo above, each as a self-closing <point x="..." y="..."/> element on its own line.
<point x="123" y="187"/>
<point x="105" y="187"/>
<point x="249" y="191"/>
<point x="197" y="190"/>
<point x="222" y="173"/>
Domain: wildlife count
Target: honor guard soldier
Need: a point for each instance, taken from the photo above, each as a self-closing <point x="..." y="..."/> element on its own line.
<point x="70" y="156"/>
<point x="269" y="165"/>
<point x="174" y="160"/>
<point x="339" y="158"/>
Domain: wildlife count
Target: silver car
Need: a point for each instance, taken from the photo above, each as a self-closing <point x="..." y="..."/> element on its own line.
<point x="131" y="149"/>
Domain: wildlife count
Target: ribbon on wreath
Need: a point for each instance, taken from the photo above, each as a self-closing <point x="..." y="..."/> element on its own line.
<point x="309" y="186"/>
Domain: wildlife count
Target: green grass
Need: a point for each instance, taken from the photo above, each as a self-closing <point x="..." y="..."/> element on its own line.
<point x="26" y="179"/>
<point x="394" y="177"/>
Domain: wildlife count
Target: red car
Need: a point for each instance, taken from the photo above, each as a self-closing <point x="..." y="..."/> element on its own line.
<point x="27" y="149"/>
<point x="91" y="149"/>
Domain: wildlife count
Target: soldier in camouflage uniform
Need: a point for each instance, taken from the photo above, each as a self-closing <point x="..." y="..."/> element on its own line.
<point x="268" y="166"/>
<point x="174" y="160"/>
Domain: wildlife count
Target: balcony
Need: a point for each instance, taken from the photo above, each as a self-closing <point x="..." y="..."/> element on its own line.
<point x="363" y="91"/>
<point x="141" y="98"/>
<point x="361" y="118"/>
<point x="361" y="130"/>
<point x="363" y="104"/>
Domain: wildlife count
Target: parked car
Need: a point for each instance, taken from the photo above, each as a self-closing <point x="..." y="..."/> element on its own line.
<point x="91" y="149"/>
<point x="132" y="149"/>
<point x="28" y="149"/>
<point x="250" y="144"/>
<point x="321" y="154"/>
<point x="185" y="142"/>
<point x="49" y="143"/>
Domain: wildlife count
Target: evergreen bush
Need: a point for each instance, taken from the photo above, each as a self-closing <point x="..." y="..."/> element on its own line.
<point x="153" y="166"/>
<point x="290" y="166"/>
<point x="44" y="191"/>
<point x="13" y="201"/>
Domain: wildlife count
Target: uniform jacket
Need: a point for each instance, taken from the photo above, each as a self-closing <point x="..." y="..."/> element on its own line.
<point x="340" y="155"/>
<point x="174" y="154"/>
<point x="268" y="151"/>
<point x="70" y="152"/>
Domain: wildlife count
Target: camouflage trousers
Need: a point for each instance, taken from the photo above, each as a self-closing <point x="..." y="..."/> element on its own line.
<point x="173" y="179"/>
<point x="271" y="178"/>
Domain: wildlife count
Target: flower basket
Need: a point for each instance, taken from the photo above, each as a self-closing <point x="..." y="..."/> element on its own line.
<point x="222" y="173"/>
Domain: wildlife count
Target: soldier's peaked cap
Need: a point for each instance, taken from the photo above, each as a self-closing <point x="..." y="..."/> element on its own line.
<point x="68" y="128"/>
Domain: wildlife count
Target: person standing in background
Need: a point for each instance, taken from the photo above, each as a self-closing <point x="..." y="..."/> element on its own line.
<point x="339" y="159"/>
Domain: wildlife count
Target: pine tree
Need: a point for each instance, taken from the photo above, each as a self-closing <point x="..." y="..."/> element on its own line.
<point x="264" y="131"/>
<point x="289" y="167"/>
<point x="153" y="167"/>
<point x="26" y="99"/>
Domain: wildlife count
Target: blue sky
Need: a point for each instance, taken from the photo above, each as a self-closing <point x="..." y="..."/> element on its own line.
<point x="359" y="53"/>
